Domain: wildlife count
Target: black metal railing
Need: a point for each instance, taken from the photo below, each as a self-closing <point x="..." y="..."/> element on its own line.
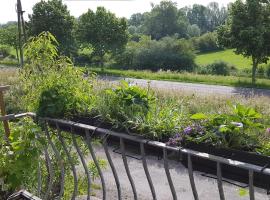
<point x="87" y="132"/>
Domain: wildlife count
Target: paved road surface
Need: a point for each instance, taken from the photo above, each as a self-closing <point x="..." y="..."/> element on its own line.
<point x="207" y="187"/>
<point x="195" y="87"/>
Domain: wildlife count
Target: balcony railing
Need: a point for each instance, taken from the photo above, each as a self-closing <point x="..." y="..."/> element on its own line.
<point x="86" y="133"/>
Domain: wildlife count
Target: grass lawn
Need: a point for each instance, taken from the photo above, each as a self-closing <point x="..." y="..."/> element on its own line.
<point x="185" y="77"/>
<point x="228" y="56"/>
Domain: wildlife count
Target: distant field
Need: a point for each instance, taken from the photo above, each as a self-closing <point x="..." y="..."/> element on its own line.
<point x="227" y="56"/>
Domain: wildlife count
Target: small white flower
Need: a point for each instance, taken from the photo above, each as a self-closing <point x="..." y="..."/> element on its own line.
<point x="238" y="124"/>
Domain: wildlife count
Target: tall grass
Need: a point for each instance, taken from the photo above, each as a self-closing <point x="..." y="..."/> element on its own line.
<point x="8" y="76"/>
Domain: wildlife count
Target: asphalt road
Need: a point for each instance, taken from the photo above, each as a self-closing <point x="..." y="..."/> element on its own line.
<point x="206" y="187"/>
<point x="194" y="87"/>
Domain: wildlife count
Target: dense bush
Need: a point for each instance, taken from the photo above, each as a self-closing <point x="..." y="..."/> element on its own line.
<point x="4" y="50"/>
<point x="218" y="68"/>
<point x="19" y="157"/>
<point x="52" y="86"/>
<point x="268" y="71"/>
<point x="123" y="105"/>
<point x="206" y="42"/>
<point x="167" y="54"/>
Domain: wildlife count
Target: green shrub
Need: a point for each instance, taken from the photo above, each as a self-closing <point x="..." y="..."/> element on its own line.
<point x="207" y="42"/>
<point x="52" y="86"/>
<point x="19" y="158"/>
<point x="268" y="71"/>
<point x="4" y="50"/>
<point x="218" y="68"/>
<point x="124" y="105"/>
<point x="167" y="54"/>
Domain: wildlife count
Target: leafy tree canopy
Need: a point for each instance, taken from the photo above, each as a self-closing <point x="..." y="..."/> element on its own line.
<point x="165" y="20"/>
<point x="102" y="30"/>
<point x="53" y="16"/>
<point x="8" y="35"/>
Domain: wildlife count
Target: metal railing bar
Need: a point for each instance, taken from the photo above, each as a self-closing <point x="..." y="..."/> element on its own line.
<point x="251" y="185"/>
<point x="191" y="178"/>
<point x="59" y="159"/>
<point x="39" y="179"/>
<point x="221" y="160"/>
<point x="167" y="171"/>
<point x="148" y="176"/>
<point x="117" y="182"/>
<point x="239" y="164"/>
<point x="51" y="174"/>
<point x="219" y="182"/>
<point x="123" y="151"/>
<point x="84" y="166"/>
<point x="75" y="178"/>
<point x="92" y="152"/>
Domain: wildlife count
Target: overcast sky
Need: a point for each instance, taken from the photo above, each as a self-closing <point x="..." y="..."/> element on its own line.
<point x="122" y="8"/>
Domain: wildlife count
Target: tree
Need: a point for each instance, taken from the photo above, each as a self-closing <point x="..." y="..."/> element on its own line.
<point x="165" y="20"/>
<point x="215" y="15"/>
<point x="103" y="31"/>
<point x="248" y="30"/>
<point x="136" y="19"/>
<point x="9" y="36"/>
<point x="193" y="30"/>
<point x="53" y="16"/>
<point x="197" y="15"/>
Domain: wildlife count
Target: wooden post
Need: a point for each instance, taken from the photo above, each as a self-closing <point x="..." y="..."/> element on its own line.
<point x="3" y="110"/>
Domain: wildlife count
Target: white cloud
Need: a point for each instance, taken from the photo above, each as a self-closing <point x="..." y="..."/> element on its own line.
<point x="122" y="8"/>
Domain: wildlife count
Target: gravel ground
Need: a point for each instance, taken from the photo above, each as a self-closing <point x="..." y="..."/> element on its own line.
<point x="206" y="187"/>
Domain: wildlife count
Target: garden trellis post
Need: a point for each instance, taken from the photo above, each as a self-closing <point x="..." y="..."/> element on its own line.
<point x="3" y="110"/>
<point x="21" y="28"/>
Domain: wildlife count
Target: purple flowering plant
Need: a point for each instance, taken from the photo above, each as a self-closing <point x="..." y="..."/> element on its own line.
<point x="187" y="133"/>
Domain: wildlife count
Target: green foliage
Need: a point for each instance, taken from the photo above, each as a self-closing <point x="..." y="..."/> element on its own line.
<point x="207" y="42"/>
<point x="93" y="168"/>
<point x="53" y="16"/>
<point x="193" y="31"/>
<point x="207" y="18"/>
<point x="247" y="30"/>
<point x="4" y="50"/>
<point x="237" y="130"/>
<point x="124" y="105"/>
<point x="8" y="35"/>
<point x="167" y="54"/>
<point x="268" y="71"/>
<point x="19" y="156"/>
<point x="103" y="31"/>
<point x="52" y="86"/>
<point x="165" y="20"/>
<point x="218" y="68"/>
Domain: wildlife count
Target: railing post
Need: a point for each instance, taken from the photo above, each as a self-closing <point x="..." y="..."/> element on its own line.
<point x="3" y="110"/>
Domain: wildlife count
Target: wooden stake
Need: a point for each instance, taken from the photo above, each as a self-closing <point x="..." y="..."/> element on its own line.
<point x="3" y="110"/>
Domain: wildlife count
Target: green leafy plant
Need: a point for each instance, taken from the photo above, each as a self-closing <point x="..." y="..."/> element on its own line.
<point x="52" y="86"/>
<point x="237" y="130"/>
<point x="123" y="105"/>
<point x="19" y="155"/>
